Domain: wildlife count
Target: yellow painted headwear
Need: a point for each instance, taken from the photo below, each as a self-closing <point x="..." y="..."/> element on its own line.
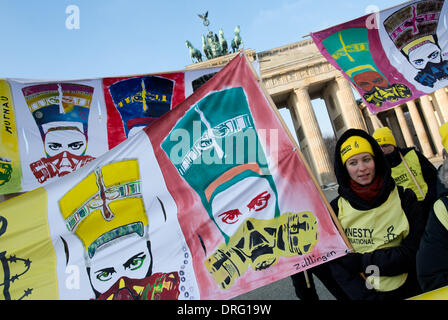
<point x="384" y="136"/>
<point x="106" y="205"/>
<point x="353" y="146"/>
<point x="443" y="130"/>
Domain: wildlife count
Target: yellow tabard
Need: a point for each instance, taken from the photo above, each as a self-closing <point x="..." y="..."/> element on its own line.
<point x="402" y="176"/>
<point x="382" y="227"/>
<point x="441" y="213"/>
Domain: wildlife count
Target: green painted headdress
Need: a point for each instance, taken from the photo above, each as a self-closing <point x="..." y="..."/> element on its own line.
<point x="215" y="145"/>
<point x="350" y="49"/>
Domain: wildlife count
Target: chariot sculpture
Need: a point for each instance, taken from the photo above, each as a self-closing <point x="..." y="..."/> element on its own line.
<point x="214" y="45"/>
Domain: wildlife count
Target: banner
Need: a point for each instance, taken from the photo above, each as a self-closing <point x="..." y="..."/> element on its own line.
<point x="10" y="173"/>
<point x="392" y="56"/>
<point x="52" y="128"/>
<point x="210" y="202"/>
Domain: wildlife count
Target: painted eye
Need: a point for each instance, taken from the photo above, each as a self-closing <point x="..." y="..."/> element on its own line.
<point x="135" y="262"/>
<point x="105" y="274"/>
<point x="364" y="84"/>
<point x="259" y="202"/>
<point x="378" y="80"/>
<point x="419" y="62"/>
<point x="76" y="145"/>
<point x="54" y="146"/>
<point x="434" y="55"/>
<point x="230" y="217"/>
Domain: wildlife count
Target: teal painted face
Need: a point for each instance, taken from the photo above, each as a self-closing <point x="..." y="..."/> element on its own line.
<point x="223" y="159"/>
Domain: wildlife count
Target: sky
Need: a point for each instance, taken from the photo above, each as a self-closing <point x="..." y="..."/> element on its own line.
<point x="126" y="37"/>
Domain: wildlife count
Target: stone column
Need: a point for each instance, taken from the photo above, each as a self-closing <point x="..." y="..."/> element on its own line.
<point x="404" y="126"/>
<point x="431" y="121"/>
<point x="349" y="108"/>
<point x="319" y="154"/>
<point x="442" y="102"/>
<point x="376" y="123"/>
<point x="419" y="129"/>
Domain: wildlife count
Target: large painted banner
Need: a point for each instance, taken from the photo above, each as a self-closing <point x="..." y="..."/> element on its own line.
<point x="210" y="202"/>
<point x="394" y="55"/>
<point x="52" y="128"/>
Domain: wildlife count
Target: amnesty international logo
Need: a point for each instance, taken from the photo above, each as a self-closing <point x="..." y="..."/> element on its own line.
<point x="106" y="205"/>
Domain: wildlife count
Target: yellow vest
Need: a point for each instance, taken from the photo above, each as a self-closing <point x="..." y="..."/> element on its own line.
<point x="438" y="294"/>
<point x="378" y="228"/>
<point x="441" y="213"/>
<point x="402" y="176"/>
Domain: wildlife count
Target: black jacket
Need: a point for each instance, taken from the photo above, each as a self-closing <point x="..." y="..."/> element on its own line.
<point x="432" y="256"/>
<point x="390" y="261"/>
<point x="429" y="173"/>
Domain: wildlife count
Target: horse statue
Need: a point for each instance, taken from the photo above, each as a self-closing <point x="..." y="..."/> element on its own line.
<point x="206" y="48"/>
<point x="223" y="42"/>
<point x="236" y="41"/>
<point x="194" y="53"/>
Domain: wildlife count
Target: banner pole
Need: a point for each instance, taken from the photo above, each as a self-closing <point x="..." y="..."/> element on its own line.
<point x="297" y="150"/>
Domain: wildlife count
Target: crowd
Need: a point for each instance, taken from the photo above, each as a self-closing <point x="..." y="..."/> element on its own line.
<point x="392" y="204"/>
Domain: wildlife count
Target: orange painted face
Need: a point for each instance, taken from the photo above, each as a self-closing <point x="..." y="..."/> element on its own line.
<point x="369" y="80"/>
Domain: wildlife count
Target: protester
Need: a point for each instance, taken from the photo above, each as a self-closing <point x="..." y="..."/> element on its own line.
<point x="432" y="256"/>
<point x="382" y="221"/>
<point x="410" y="168"/>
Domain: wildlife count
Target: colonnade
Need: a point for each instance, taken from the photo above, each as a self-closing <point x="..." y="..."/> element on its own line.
<point x="426" y="114"/>
<point x="415" y="123"/>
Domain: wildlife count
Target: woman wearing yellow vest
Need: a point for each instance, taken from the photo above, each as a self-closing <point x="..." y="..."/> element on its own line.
<point x="410" y="168"/>
<point x="432" y="257"/>
<point x="382" y="221"/>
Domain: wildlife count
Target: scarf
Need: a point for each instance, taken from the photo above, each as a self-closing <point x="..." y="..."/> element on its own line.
<point x="369" y="192"/>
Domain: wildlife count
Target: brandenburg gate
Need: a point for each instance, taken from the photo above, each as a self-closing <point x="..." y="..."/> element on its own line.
<point x="297" y="73"/>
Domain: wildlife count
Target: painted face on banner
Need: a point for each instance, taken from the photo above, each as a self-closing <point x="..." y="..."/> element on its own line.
<point x="134" y="261"/>
<point x="65" y="140"/>
<point x="369" y="80"/>
<point x="427" y="53"/>
<point x="256" y="200"/>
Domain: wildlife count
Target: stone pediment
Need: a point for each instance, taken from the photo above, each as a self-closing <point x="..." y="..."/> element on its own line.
<point x="294" y="65"/>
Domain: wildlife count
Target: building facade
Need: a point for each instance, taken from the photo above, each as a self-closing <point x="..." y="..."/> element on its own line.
<point x="297" y="73"/>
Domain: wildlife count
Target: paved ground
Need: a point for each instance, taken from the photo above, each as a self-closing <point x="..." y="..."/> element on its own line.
<point x="283" y="290"/>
